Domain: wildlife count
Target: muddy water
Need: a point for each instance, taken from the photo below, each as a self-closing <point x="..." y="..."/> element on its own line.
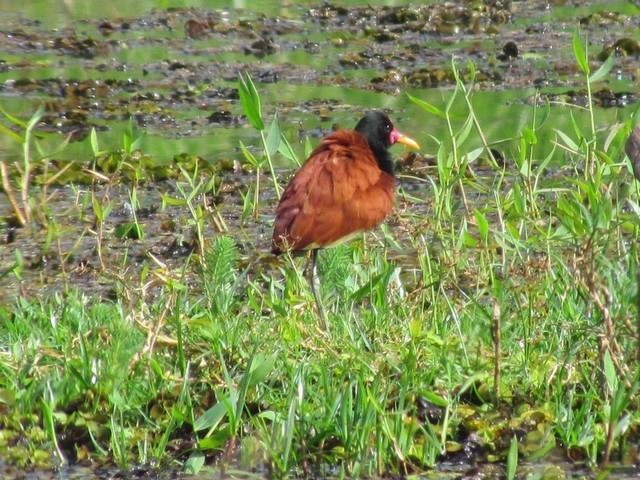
<point x="174" y="71"/>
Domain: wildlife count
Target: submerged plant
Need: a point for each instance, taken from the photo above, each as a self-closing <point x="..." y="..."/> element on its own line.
<point x="22" y="209"/>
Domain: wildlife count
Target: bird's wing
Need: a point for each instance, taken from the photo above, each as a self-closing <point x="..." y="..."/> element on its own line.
<point x="339" y="191"/>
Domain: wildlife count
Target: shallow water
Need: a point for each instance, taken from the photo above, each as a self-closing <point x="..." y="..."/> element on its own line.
<point x="138" y="60"/>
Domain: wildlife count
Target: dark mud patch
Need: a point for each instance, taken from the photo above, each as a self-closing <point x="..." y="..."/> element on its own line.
<point x="106" y="258"/>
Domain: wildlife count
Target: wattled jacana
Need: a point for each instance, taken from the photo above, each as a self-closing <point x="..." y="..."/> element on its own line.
<point x="345" y="187"/>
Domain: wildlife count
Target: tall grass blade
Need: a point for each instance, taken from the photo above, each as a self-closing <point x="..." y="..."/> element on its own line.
<point x="427" y="106"/>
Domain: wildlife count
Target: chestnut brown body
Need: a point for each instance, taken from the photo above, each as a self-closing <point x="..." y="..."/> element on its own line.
<point x="340" y="191"/>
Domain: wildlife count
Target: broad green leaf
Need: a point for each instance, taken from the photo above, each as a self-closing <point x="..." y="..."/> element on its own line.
<point x="269" y="415"/>
<point x="435" y="399"/>
<point x="610" y="372"/>
<point x="250" y="101"/>
<point x="579" y="53"/>
<point x="621" y="400"/>
<point x="522" y="152"/>
<point x="217" y="439"/>
<point x="524" y="167"/>
<point x="18" y="266"/>
<point x="308" y="147"/>
<point x="483" y="225"/>
<point x="286" y="150"/>
<point x="545" y="113"/>
<point x="512" y="459"/>
<point x="12" y="119"/>
<point x="567" y="140"/>
<point x="179" y="416"/>
<point x="576" y="127"/>
<point x="519" y="202"/>
<point x="603" y="71"/>
<point x="365" y="290"/>
<point x="452" y="97"/>
<point x="542" y="165"/>
<point x="463" y="134"/>
<point x="529" y="136"/>
<point x="132" y="230"/>
<point x="211" y="418"/>
<point x="472" y="71"/>
<point x="94" y="141"/>
<point x="97" y="209"/>
<point x="547" y="446"/>
<point x="126" y="140"/>
<point x="416" y="327"/>
<point x="273" y="137"/>
<point x="194" y="463"/>
<point x="135" y="145"/>
<point x="11" y="134"/>
<point x="172" y="201"/>
<point x="249" y="156"/>
<point x="468" y="240"/>
<point x="474" y="154"/>
<point x="622" y="425"/>
<point x="261" y="369"/>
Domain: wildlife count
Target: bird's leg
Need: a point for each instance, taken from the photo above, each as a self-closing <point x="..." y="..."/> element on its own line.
<point x="315" y="288"/>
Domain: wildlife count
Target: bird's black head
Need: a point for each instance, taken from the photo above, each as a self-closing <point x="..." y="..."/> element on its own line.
<point x="377" y="128"/>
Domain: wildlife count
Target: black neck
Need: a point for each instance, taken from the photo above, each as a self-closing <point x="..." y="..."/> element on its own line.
<point x="382" y="156"/>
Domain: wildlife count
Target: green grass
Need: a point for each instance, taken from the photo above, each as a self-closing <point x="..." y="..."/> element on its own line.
<point x="503" y="306"/>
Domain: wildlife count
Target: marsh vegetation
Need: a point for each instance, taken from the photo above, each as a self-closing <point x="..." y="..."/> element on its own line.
<point x="489" y="327"/>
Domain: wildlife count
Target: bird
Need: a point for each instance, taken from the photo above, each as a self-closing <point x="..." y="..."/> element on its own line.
<point x="345" y="187"/>
<point x="632" y="149"/>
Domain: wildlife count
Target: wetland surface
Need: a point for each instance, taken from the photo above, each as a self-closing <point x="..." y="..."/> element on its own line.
<point x="158" y="86"/>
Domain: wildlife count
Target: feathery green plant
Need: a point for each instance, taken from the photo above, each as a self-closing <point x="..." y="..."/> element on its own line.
<point x="221" y="278"/>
